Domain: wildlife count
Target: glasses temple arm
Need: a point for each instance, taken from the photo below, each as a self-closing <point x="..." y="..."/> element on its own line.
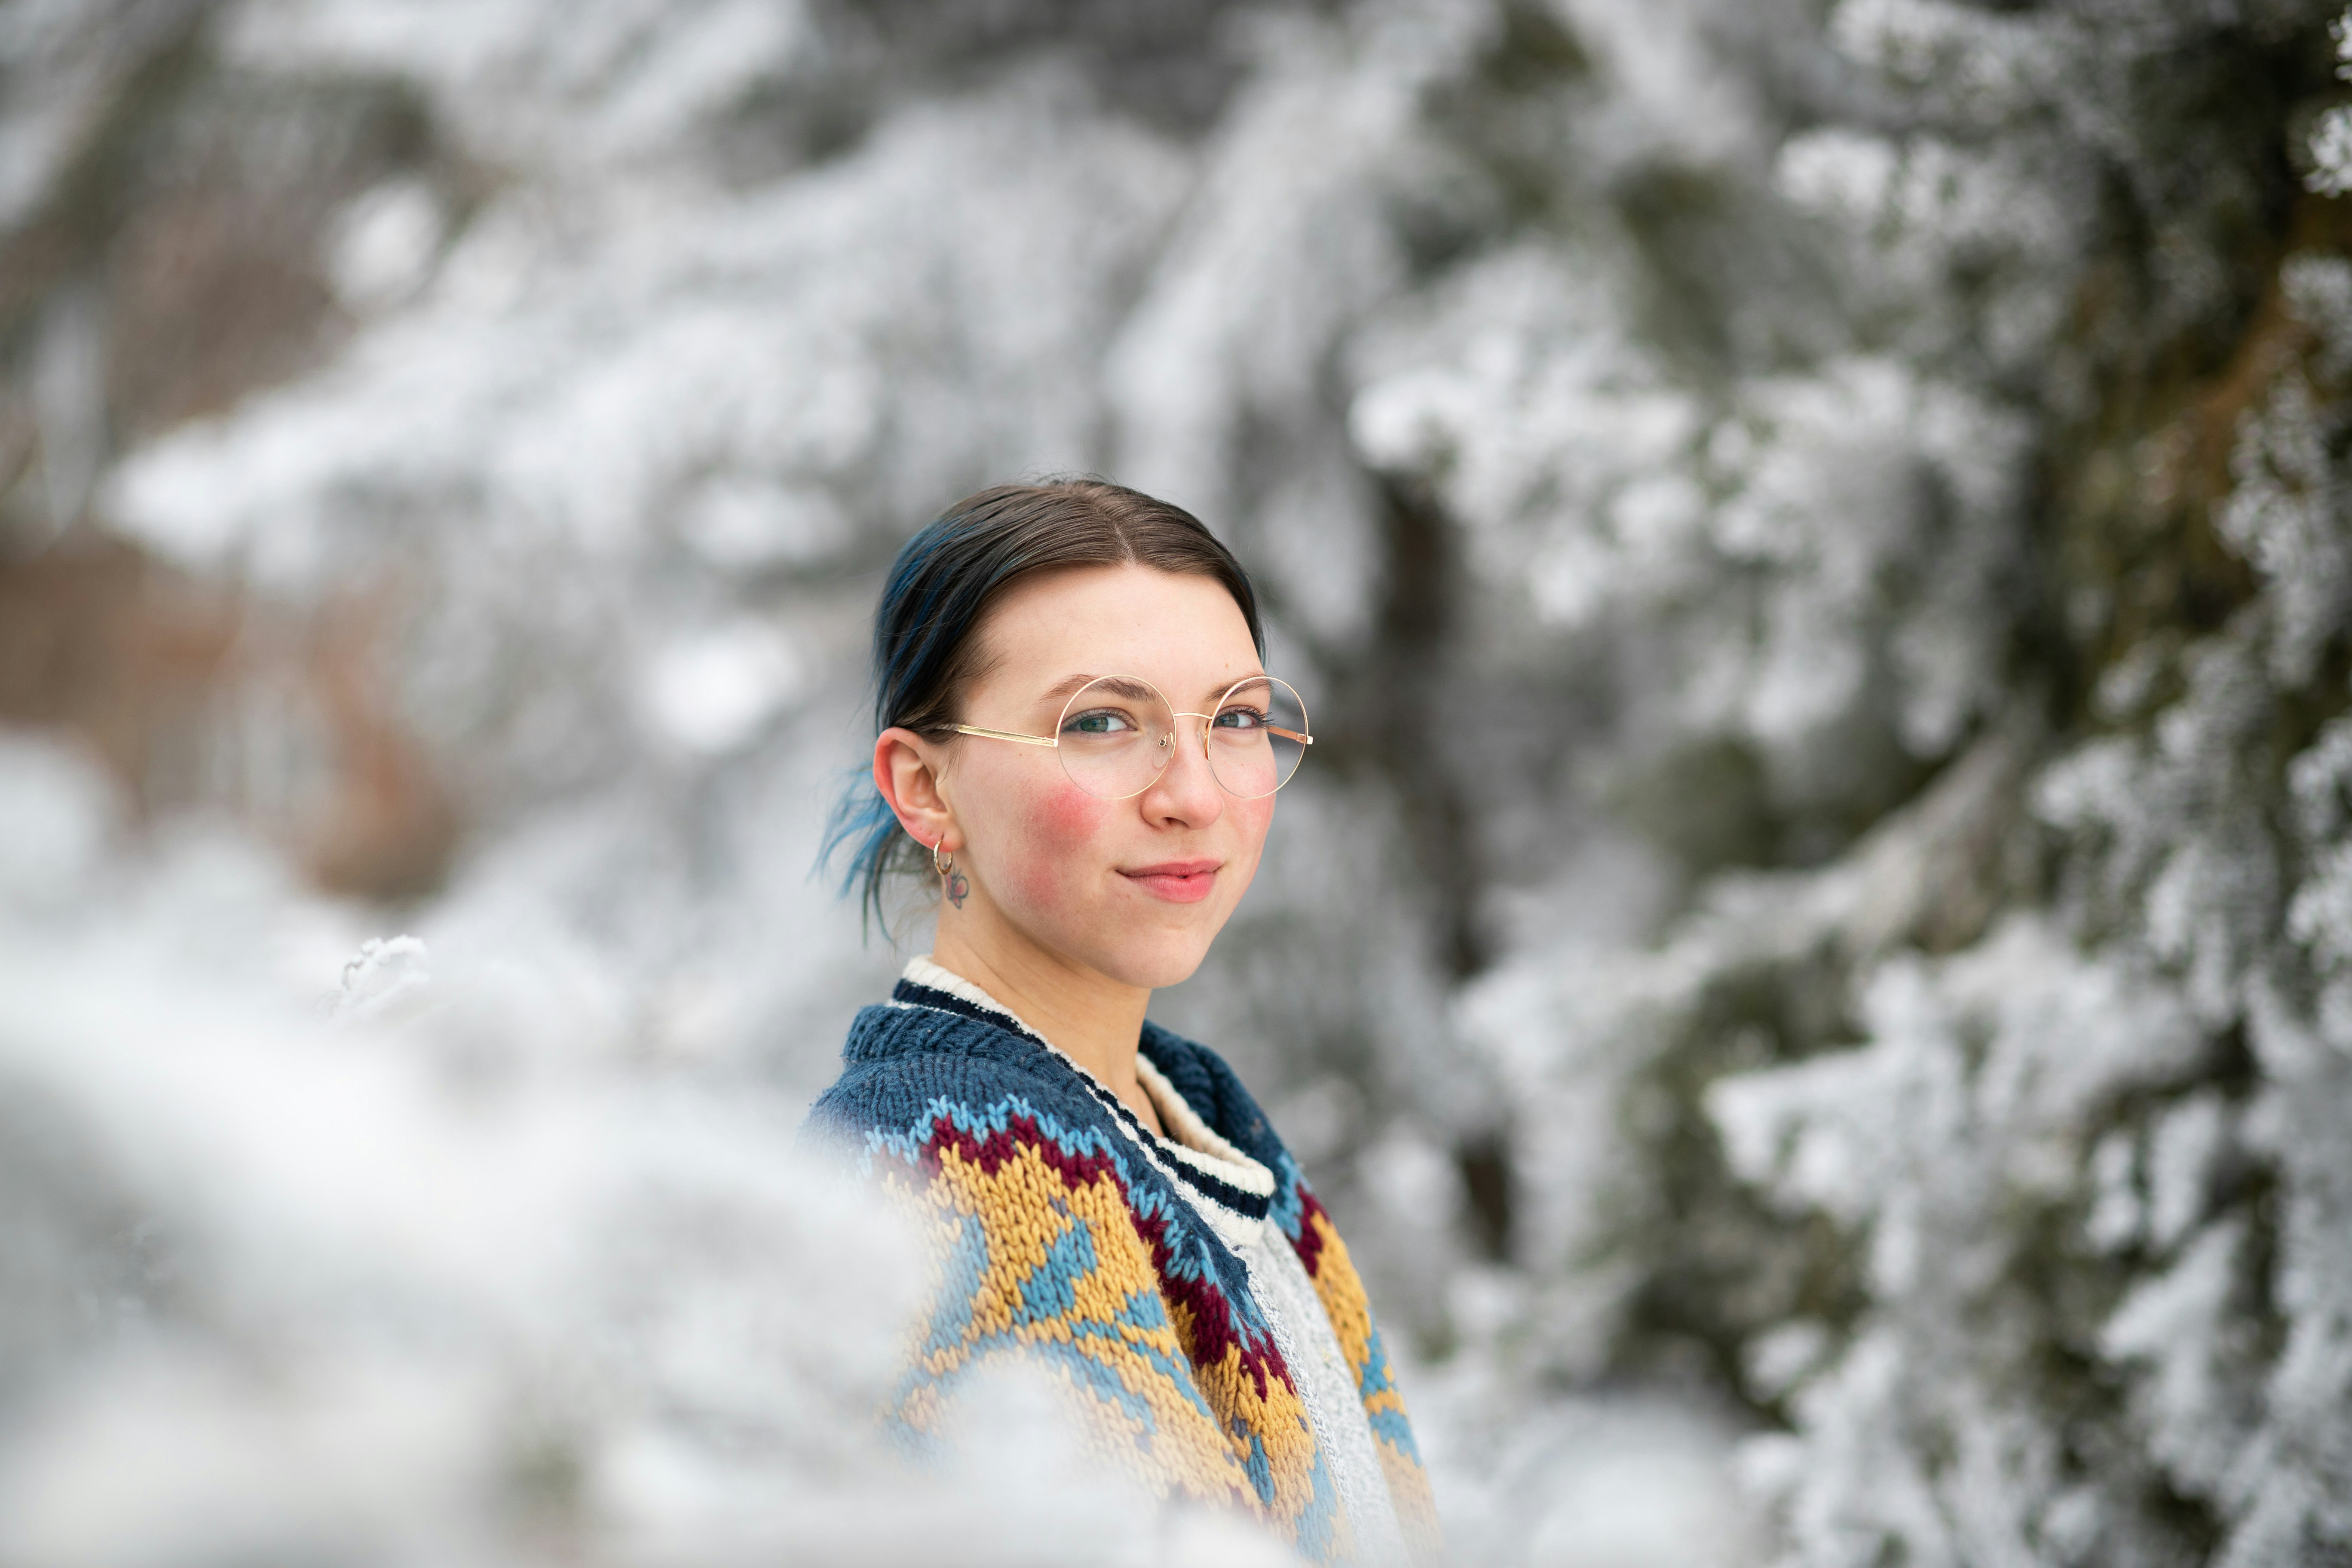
<point x="1007" y="735"/>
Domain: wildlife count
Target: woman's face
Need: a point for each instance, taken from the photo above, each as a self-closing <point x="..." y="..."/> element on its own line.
<point x="1137" y="889"/>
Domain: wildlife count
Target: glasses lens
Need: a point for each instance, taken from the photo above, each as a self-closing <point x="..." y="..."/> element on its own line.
<point x="1116" y="735"/>
<point x="1257" y="737"/>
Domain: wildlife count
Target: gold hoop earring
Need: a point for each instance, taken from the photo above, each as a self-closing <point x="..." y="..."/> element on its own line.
<point x="958" y="888"/>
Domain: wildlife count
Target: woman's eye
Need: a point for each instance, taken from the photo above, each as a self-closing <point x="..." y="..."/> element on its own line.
<point x="1100" y="722"/>
<point x="1246" y="720"/>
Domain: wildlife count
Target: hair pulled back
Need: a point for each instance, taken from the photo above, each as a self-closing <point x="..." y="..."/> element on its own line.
<point x="940" y="588"/>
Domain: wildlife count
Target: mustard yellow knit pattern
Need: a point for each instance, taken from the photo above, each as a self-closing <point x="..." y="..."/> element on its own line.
<point x="1058" y="1238"/>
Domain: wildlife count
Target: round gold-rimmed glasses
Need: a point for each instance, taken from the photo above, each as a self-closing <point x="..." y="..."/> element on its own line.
<point x="1116" y="734"/>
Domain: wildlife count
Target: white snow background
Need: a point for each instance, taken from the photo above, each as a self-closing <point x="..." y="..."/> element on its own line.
<point x="1812" y="1074"/>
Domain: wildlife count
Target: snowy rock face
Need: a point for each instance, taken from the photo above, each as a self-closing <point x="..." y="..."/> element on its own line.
<point x="1814" y="536"/>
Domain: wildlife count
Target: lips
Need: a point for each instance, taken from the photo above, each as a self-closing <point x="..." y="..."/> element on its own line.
<point x="1178" y="881"/>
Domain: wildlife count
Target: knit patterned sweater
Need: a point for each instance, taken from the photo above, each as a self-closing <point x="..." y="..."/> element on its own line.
<point x="1190" y="1290"/>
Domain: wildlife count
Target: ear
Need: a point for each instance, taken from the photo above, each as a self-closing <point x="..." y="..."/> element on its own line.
<point x="906" y="772"/>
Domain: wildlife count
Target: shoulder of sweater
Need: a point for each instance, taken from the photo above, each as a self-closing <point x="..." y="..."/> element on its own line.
<point x="900" y="1060"/>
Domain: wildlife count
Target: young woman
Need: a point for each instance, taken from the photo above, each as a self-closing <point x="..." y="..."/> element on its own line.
<point x="1080" y="751"/>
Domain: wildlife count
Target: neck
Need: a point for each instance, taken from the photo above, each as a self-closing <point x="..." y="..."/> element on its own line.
<point x="1095" y="1020"/>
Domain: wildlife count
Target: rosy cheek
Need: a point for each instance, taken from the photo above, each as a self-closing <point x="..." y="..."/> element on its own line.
<point x="1057" y="839"/>
<point x="1070" y="813"/>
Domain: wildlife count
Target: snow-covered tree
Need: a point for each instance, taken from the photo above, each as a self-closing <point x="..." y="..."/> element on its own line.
<point x="1814" y="533"/>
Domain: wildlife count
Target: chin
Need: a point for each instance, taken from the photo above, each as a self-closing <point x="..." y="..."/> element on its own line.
<point x="1154" y="965"/>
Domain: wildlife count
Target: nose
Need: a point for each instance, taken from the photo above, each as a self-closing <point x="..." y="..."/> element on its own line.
<point x="1186" y="791"/>
<point x="1205" y="720"/>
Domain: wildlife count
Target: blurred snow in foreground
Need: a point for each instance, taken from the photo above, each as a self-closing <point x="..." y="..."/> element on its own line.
<point x="445" y="1276"/>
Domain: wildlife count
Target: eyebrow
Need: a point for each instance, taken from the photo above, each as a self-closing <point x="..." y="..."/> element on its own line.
<point x="1236" y="680"/>
<point x="1069" y="686"/>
